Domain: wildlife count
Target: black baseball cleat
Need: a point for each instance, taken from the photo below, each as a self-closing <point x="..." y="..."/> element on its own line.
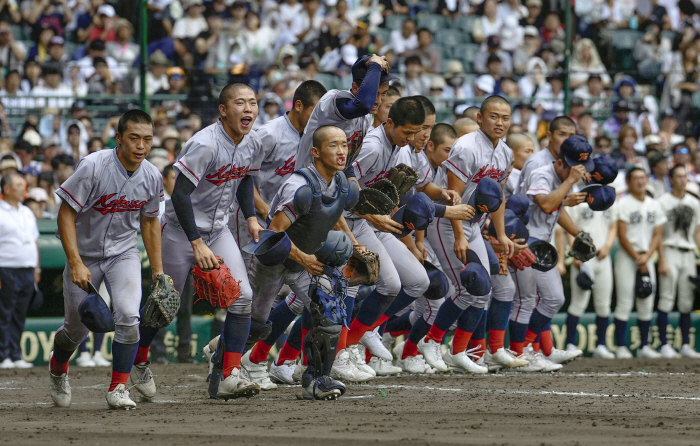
<point x="323" y="388"/>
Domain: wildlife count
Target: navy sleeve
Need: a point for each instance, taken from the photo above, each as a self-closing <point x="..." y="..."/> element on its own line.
<point x="245" y="197"/>
<point x="439" y="210"/>
<point x="350" y="172"/>
<point x="366" y="95"/>
<point x="183" y="206"/>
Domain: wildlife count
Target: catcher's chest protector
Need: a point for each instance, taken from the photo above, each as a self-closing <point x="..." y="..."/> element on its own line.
<point x="310" y="230"/>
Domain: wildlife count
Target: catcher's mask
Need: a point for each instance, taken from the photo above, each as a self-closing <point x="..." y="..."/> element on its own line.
<point x="474" y="276"/>
<point x="94" y="312"/>
<point x="416" y="215"/>
<point x="487" y="197"/>
<point x="439" y="285"/>
<point x="272" y="248"/>
<point x="519" y="204"/>
<point x="599" y="197"/>
<point x="336" y="250"/>
<point x="546" y="254"/>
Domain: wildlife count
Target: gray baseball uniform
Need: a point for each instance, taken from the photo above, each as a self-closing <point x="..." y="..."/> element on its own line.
<point x="679" y="251"/>
<point x="471" y="158"/>
<point x="543" y="290"/>
<point x="108" y="202"/>
<point x="216" y="166"/>
<point x="542" y="158"/>
<point x="326" y="113"/>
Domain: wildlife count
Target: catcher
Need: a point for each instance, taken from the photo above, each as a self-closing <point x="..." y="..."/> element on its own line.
<point x="547" y="188"/>
<point x="111" y="194"/>
<point x="307" y="207"/>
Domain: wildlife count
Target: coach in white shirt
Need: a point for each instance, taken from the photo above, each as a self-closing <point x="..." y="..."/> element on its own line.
<point x="19" y="259"/>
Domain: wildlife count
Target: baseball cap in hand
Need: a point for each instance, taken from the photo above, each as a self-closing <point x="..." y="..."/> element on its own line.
<point x="577" y="150"/>
<point x="474" y="277"/>
<point x="487" y="197"/>
<point x="515" y="229"/>
<point x="439" y="285"/>
<point x="585" y="278"/>
<point x="519" y="204"/>
<point x="416" y="215"/>
<point x="605" y="170"/>
<point x="359" y="71"/>
<point x="600" y="197"/>
<point x="643" y="286"/>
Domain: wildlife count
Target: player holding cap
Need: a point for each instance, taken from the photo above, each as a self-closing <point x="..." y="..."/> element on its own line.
<point x="640" y="228"/>
<point x="677" y="260"/>
<point x="104" y="201"/>
<point x="216" y="166"/>
<point x="349" y="109"/>
<point x="540" y="295"/>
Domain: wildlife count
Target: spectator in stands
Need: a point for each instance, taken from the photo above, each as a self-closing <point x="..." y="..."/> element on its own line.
<point x="96" y="48"/>
<point x="576" y="109"/>
<point x="39" y="51"/>
<point x="72" y="143"/>
<point x="217" y="8"/>
<point x="652" y="52"/>
<point x="456" y="88"/>
<point x="511" y="8"/>
<point x="588" y="127"/>
<point x="493" y="47"/>
<point x="101" y="82"/>
<point x="524" y="115"/>
<point x="104" y="25"/>
<point x="9" y="11"/>
<point x="187" y="28"/>
<point x="511" y="34"/>
<point x="52" y="93"/>
<point x="415" y="81"/>
<point x="551" y="98"/>
<point x="84" y="22"/>
<point x="156" y="77"/>
<point x="392" y="7"/>
<point x="529" y="47"/>
<point x="535" y="78"/>
<point x="489" y="24"/>
<point x="592" y="90"/>
<point x="585" y="60"/>
<point x="306" y="26"/>
<point x="668" y="126"/>
<point x="681" y="155"/>
<point x="170" y="141"/>
<point x="681" y="83"/>
<point x="41" y="13"/>
<point x="8" y="163"/>
<point x="56" y="57"/>
<point x="625" y="153"/>
<point x="619" y="118"/>
<point x="15" y="105"/>
<point x="652" y="143"/>
<point x="41" y="198"/>
<point x="19" y="268"/>
<point x="259" y="41"/>
<point x="26" y="151"/>
<point x="12" y="53"/>
<point x="406" y="39"/>
<point x="534" y="15"/>
<point x="484" y="85"/>
<point x="430" y="57"/>
<point x="176" y="85"/>
<point x="508" y="88"/>
<point x="122" y="49"/>
<point x="63" y="166"/>
<point x="288" y="10"/>
<point x="451" y="9"/>
<point x="95" y="144"/>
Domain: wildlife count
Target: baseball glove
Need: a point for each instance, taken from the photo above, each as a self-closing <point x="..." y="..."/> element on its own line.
<point x="403" y="177"/>
<point x="583" y="248"/>
<point x="522" y="260"/>
<point x="162" y="304"/>
<point x="216" y="286"/>
<point x="362" y="267"/>
<point x="380" y="199"/>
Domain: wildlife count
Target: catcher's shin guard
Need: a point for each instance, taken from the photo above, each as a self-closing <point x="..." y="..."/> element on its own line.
<point x="216" y="369"/>
<point x="320" y="346"/>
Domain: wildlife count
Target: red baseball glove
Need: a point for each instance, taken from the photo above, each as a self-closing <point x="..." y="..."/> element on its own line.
<point x="216" y="286"/>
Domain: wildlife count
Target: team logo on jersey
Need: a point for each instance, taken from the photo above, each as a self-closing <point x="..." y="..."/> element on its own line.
<point x="354" y="145"/>
<point x="651" y="218"/>
<point x="583" y="156"/>
<point x="493" y="172"/>
<point x="635" y="218"/>
<point x="227" y="173"/>
<point x="121" y="204"/>
<point x="587" y="214"/>
<point x="287" y="168"/>
<point x="380" y="176"/>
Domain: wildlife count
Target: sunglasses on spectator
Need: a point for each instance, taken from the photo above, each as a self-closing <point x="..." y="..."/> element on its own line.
<point x="682" y="150"/>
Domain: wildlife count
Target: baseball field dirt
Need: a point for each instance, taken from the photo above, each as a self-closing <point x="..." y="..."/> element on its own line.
<point x="592" y="401"/>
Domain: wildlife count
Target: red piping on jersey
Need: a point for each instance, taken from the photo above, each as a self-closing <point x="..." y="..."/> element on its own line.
<point x="359" y="168"/>
<point x="154" y="212"/>
<point x="162" y="227"/>
<point x="520" y="299"/>
<point x="426" y="176"/>
<point x="442" y="245"/>
<point x="72" y="198"/>
<point x="290" y="210"/>
<point x="294" y="297"/>
<point x="460" y="171"/>
<point x="335" y="108"/>
<point x="188" y="169"/>
<point x="238" y="228"/>
<point x="539" y="189"/>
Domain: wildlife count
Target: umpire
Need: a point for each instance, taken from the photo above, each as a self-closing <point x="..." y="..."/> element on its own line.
<point x="19" y="258"/>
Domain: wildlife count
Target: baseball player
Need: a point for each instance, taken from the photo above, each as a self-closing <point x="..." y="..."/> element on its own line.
<point x="307" y="223"/>
<point x="280" y="138"/>
<point x="215" y="167"/>
<point x="110" y="194"/>
<point x="677" y="260"/>
<point x="392" y="94"/>
<point x="349" y="109"/>
<point x="475" y="156"/>
<point x="602" y="225"/>
<point x="539" y="294"/>
<point x="464" y="126"/>
<point x="640" y="228"/>
<point x="522" y="146"/>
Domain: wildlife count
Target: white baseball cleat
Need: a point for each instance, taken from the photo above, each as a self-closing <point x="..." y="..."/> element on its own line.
<point x="602" y="352"/>
<point x="563" y="356"/>
<point x="119" y="398"/>
<point x="344" y="369"/>
<point x="236" y="386"/>
<point x="60" y="390"/>
<point x="359" y="360"/>
<point x="623" y="352"/>
<point x="431" y="353"/>
<point x="413" y="364"/>
<point x="534" y="363"/>
<point x="256" y="373"/>
<point x="299" y="368"/>
<point x="571" y="347"/>
<point x="503" y="358"/>
<point x="373" y="342"/>
<point x="382" y="367"/>
<point x="549" y="366"/>
<point x="142" y="379"/>
<point x="284" y="373"/>
<point x="99" y="360"/>
<point x="462" y="363"/>
<point x="687" y="351"/>
<point x="668" y="352"/>
<point x="207" y="352"/>
<point x="648" y="352"/>
<point x="7" y="364"/>
<point x="22" y="364"/>
<point x="84" y="360"/>
<point x="398" y="349"/>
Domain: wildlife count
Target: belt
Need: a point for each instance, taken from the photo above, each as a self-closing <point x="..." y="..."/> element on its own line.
<point x="680" y="249"/>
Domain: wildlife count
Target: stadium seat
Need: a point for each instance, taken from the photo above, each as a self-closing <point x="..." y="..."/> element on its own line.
<point x="446" y="51"/>
<point x="670" y="35"/>
<point x="395" y="21"/>
<point x="695" y="102"/>
<point x="464" y="23"/>
<point x="449" y="37"/>
<point x="384" y="34"/>
<point x="327" y="80"/>
<point x="623" y="47"/>
<point x="466" y="53"/>
<point x="434" y="22"/>
<point x="20" y="32"/>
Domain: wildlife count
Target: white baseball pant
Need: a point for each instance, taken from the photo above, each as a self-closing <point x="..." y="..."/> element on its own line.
<point x="602" y="291"/>
<point x="625" y="283"/>
<point x="681" y="265"/>
<point x="536" y="289"/>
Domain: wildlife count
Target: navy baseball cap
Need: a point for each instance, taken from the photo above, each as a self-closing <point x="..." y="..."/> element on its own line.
<point x="577" y="150"/>
<point x="605" y="170"/>
<point x="520" y="204"/>
<point x="474" y="276"/>
<point x="439" y="285"/>
<point x="487" y="197"/>
<point x="599" y="197"/>
<point x="359" y="71"/>
<point x="585" y="278"/>
<point x="515" y="229"/>
<point x="272" y="248"/>
<point x="643" y="287"/>
<point x="416" y="215"/>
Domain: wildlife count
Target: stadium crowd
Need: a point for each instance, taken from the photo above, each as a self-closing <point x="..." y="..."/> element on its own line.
<point x="62" y="60"/>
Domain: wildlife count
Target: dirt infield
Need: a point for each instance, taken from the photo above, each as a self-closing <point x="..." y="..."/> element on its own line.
<point x="591" y="402"/>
